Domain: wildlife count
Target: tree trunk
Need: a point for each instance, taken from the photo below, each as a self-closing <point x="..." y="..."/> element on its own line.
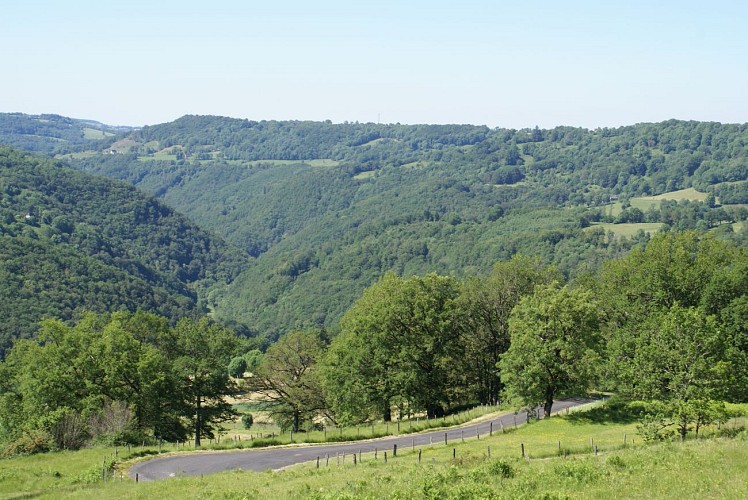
<point x="548" y="406"/>
<point x="434" y="411"/>
<point x="198" y="422"/>
<point x="296" y="420"/>
<point x="386" y="411"/>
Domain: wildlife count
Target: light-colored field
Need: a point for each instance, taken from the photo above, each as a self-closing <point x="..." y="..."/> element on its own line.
<point x="95" y="134"/>
<point x="628" y="230"/>
<point x="160" y="156"/>
<point x="683" y="194"/>
<point x="123" y="145"/>
<point x="365" y="175"/>
<point x="644" y="203"/>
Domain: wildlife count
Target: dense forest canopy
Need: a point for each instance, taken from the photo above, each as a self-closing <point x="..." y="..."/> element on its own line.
<point x="326" y="209"/>
<point x="71" y="242"/>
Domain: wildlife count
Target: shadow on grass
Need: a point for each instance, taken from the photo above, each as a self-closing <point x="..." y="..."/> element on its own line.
<point x="613" y="411"/>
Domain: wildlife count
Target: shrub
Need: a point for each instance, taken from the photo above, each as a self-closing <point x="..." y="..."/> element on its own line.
<point x="247" y="420"/>
<point x="29" y="443"/>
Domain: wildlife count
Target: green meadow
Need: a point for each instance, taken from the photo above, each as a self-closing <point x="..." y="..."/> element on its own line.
<point x="585" y="454"/>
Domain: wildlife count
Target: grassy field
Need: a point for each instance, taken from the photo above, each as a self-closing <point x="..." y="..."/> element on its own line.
<point x="628" y="230"/>
<point x="95" y="134"/>
<point x="683" y="194"/>
<point x="644" y="203"/>
<point x="365" y="175"/>
<point x="485" y="468"/>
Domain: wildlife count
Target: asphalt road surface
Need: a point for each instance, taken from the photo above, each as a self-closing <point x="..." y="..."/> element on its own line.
<point x="261" y="459"/>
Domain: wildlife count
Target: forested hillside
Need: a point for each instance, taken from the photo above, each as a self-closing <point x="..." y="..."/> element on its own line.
<point x="54" y="133"/>
<point x="71" y="242"/>
<point x="328" y="208"/>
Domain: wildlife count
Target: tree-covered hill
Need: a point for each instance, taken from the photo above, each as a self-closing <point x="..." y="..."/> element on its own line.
<point x="71" y="241"/>
<point x="54" y="133"/>
<point x="328" y="208"/>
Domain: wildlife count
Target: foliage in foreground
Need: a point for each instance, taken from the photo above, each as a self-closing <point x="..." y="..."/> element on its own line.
<point x="120" y="378"/>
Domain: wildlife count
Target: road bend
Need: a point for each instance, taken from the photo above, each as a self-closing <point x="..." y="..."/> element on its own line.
<point x="261" y="459"/>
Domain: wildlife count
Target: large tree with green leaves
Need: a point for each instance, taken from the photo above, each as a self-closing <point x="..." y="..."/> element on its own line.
<point x="679" y="361"/>
<point x="488" y="303"/>
<point x="202" y="351"/>
<point x="287" y="377"/>
<point x="554" y="346"/>
<point x="400" y="344"/>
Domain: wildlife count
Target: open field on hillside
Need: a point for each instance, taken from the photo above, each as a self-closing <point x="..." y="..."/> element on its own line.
<point x="94" y="134"/>
<point x="683" y="194"/>
<point x="644" y="203"/>
<point x="699" y="468"/>
<point x="629" y="230"/>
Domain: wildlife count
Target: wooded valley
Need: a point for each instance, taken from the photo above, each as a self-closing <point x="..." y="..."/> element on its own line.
<point x="394" y="269"/>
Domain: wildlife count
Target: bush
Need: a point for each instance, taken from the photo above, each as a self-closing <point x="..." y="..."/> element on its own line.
<point x="247" y="420"/>
<point x="29" y="443"/>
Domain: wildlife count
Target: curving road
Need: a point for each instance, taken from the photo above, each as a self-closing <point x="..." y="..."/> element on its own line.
<point x="261" y="459"/>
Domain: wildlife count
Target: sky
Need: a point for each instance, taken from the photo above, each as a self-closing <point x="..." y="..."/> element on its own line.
<point x="518" y="64"/>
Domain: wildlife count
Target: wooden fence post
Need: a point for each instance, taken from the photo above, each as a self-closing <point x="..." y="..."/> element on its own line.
<point x="523" y="449"/>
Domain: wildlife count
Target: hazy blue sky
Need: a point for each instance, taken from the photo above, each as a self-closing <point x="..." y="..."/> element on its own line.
<point x="509" y="64"/>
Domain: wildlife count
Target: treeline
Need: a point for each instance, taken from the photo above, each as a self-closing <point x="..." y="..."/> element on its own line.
<point x="667" y="325"/>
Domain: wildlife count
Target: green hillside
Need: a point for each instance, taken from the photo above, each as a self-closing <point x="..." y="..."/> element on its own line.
<point x="328" y="208"/>
<point x="70" y="242"/>
<point x="54" y="134"/>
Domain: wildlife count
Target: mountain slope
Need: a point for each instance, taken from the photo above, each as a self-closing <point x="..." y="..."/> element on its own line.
<point x="327" y="208"/>
<point x="70" y="241"/>
<point x="54" y="133"/>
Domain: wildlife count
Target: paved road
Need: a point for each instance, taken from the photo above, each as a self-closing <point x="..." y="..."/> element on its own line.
<point x="196" y="464"/>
